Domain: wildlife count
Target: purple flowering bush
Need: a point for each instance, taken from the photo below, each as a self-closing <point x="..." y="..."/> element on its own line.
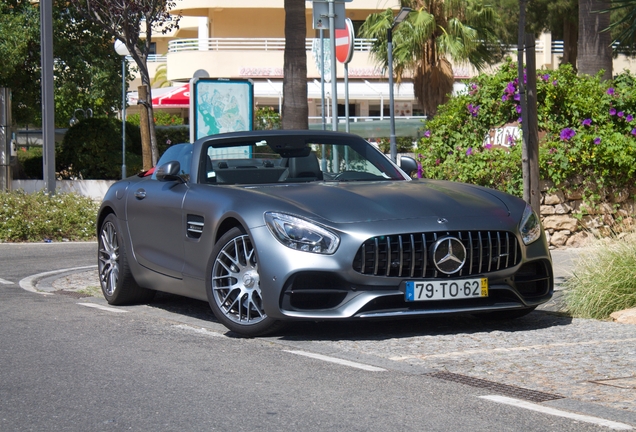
<point x="586" y="127"/>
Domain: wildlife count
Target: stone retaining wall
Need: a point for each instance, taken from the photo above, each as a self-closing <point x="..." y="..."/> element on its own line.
<point x="569" y="219"/>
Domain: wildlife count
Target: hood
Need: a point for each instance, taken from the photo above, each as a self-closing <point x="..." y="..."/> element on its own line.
<point x="348" y="202"/>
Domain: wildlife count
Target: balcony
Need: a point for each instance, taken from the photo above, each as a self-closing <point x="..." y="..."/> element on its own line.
<point x="256" y="58"/>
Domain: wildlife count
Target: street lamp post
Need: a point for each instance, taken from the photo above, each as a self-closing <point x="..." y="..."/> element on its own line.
<point x="121" y="49"/>
<point x="86" y="112"/>
<point x="401" y="16"/>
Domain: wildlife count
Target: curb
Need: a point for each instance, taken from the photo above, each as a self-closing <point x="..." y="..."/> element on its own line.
<point x="32" y="283"/>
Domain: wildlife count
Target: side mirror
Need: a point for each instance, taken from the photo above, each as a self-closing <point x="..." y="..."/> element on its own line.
<point x="169" y="171"/>
<point x="408" y="164"/>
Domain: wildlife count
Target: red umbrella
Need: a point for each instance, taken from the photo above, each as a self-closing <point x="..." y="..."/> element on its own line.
<point x="178" y="98"/>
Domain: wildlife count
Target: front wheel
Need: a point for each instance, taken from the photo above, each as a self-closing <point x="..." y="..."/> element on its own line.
<point x="233" y="288"/>
<point x="118" y="284"/>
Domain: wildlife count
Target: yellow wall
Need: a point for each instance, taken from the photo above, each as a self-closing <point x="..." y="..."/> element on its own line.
<point x="196" y="7"/>
<point x="246" y="23"/>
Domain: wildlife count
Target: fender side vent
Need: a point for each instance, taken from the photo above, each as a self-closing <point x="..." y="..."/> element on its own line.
<point x="195" y="226"/>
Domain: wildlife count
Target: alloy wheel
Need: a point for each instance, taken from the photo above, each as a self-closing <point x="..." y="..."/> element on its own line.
<point x="235" y="282"/>
<point x="108" y="258"/>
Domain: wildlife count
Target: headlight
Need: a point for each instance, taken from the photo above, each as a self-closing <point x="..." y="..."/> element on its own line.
<point x="530" y="226"/>
<point x="300" y="234"/>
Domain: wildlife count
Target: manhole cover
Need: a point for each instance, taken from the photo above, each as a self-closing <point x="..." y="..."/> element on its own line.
<point x="503" y="389"/>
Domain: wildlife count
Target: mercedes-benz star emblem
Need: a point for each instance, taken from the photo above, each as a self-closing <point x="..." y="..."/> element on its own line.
<point x="449" y="255"/>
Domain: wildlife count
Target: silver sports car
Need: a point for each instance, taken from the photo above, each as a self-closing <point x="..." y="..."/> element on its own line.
<point x="273" y="226"/>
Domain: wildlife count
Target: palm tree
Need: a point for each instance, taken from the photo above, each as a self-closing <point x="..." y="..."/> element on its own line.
<point x="595" y="45"/>
<point x="295" y="110"/>
<point x="436" y="32"/>
<point x="160" y="80"/>
<point x="624" y="25"/>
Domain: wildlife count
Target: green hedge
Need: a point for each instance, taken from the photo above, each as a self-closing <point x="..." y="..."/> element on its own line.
<point x="91" y="149"/>
<point x="586" y="128"/>
<point x="38" y="217"/>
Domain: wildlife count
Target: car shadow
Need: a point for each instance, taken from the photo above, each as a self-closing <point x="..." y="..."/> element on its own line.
<point x="183" y="306"/>
<point x="433" y="325"/>
<point x="424" y="326"/>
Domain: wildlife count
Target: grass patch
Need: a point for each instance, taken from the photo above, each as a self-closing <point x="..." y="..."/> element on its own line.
<point x="604" y="279"/>
<point x="91" y="290"/>
<point x="36" y="217"/>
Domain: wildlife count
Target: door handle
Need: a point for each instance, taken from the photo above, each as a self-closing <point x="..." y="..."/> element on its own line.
<point x="140" y="194"/>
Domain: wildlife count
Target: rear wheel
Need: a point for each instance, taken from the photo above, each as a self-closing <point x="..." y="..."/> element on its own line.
<point x="233" y="287"/>
<point x="118" y="285"/>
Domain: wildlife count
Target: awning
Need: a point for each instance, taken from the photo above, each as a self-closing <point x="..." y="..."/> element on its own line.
<point x="176" y="98"/>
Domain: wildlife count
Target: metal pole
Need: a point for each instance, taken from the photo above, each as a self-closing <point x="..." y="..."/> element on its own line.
<point x="5" y="140"/>
<point x="522" y="101"/>
<point x="334" y="76"/>
<point x="123" y="117"/>
<point x="346" y="84"/>
<point x="48" y="106"/>
<point x="322" y="77"/>
<point x="389" y="36"/>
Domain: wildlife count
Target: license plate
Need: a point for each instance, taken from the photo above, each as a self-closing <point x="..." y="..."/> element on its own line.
<point x="446" y="289"/>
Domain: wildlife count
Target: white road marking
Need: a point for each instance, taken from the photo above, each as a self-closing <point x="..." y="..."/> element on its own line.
<point x="29" y="283"/>
<point x="556" y="412"/>
<point x="513" y="349"/>
<point x="104" y="308"/>
<point x="338" y="361"/>
<point x="5" y="282"/>
<point x="199" y="330"/>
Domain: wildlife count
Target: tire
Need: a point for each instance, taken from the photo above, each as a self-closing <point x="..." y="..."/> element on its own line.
<point x="117" y="282"/>
<point x="506" y="314"/>
<point x="233" y="286"/>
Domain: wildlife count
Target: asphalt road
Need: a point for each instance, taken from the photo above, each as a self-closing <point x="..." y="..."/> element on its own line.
<point x="170" y="366"/>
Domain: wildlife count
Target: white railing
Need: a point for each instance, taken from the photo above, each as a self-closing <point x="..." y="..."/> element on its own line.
<point x="152" y="58"/>
<point x="251" y="44"/>
<point x="278" y="44"/>
<point x="557" y="47"/>
<point x="363" y="119"/>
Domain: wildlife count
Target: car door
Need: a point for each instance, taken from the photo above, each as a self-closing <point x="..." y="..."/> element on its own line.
<point x="155" y="216"/>
<point x="155" y="225"/>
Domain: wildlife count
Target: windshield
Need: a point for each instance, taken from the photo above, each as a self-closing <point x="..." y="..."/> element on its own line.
<point x="309" y="161"/>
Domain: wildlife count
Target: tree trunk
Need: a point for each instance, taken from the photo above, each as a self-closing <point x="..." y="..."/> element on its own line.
<point x="141" y="62"/>
<point x="595" y="50"/>
<point x="144" y="128"/>
<point x="570" y="41"/>
<point x="295" y="109"/>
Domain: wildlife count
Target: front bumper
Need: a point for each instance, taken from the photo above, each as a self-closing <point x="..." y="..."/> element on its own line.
<point x="306" y="286"/>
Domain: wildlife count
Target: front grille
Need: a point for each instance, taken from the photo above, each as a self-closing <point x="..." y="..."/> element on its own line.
<point x="408" y="255"/>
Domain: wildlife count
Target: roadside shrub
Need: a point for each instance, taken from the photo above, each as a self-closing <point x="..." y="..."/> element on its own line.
<point x="266" y="118"/>
<point x="169" y="135"/>
<point x="604" y="279"/>
<point x="37" y="217"/>
<point x="30" y="163"/>
<point x="91" y="149"/>
<point x="403" y="144"/>
<point x="586" y="128"/>
<point x="162" y="118"/>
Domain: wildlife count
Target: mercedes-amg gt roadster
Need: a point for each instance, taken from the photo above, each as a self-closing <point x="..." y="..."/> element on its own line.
<point x="274" y="226"/>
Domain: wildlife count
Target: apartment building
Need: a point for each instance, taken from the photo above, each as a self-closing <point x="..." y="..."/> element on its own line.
<point x="244" y="39"/>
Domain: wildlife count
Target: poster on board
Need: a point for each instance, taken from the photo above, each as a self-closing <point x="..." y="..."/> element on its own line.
<point x="220" y="105"/>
